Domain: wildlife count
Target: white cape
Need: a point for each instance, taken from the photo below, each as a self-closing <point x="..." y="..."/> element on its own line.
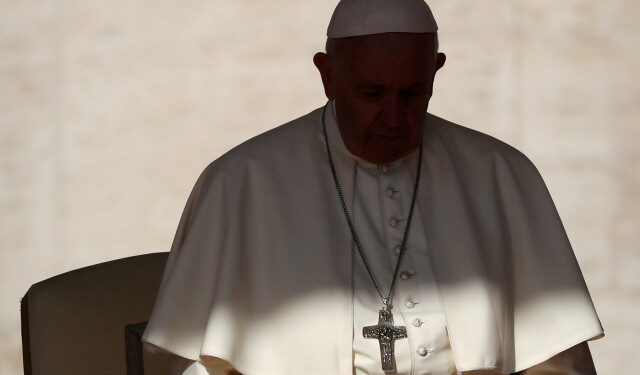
<point x="260" y="271"/>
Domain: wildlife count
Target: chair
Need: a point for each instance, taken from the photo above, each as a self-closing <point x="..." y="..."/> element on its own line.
<point x="90" y="320"/>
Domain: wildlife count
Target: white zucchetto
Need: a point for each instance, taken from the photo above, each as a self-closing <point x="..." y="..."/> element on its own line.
<point x="365" y="17"/>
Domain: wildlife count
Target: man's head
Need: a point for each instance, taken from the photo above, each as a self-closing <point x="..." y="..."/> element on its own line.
<point x="381" y="84"/>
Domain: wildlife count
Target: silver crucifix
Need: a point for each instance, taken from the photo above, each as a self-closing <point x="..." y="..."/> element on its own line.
<point x="386" y="333"/>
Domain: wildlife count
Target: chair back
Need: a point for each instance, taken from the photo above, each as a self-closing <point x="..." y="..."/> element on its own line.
<point x="90" y="320"/>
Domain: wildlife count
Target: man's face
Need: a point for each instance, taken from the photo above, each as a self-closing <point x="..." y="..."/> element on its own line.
<point x="382" y="84"/>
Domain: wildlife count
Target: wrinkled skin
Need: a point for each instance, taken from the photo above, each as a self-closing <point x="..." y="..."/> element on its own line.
<point x="381" y="84"/>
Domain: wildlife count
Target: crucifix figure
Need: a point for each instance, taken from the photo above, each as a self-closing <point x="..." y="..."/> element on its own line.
<point x="386" y="333"/>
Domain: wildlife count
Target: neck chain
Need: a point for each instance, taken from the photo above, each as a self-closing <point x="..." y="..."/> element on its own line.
<point x="384" y="331"/>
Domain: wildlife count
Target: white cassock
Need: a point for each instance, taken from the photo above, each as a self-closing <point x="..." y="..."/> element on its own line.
<point x="381" y="204"/>
<point x="263" y="273"/>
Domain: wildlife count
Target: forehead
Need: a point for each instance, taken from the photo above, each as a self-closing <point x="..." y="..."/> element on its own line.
<point x="390" y="56"/>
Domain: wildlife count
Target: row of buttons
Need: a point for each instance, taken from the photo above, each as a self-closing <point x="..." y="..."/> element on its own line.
<point x="405" y="275"/>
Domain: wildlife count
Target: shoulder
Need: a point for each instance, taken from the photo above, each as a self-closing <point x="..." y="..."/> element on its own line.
<point x="465" y="144"/>
<point x="272" y="148"/>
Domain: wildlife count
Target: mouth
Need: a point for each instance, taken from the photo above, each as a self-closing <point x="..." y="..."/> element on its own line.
<point x="390" y="136"/>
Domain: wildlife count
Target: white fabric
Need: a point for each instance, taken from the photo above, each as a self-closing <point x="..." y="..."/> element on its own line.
<point x="364" y="17"/>
<point x="183" y="366"/>
<point x="373" y="212"/>
<point x="258" y="274"/>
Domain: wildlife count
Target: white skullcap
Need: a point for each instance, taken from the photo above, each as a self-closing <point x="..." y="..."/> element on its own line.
<point x="364" y="17"/>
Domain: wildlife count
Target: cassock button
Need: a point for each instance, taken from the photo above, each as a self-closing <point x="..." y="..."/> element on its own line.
<point x="422" y="351"/>
<point x="385" y="168"/>
<point x="417" y="322"/>
<point x="390" y="191"/>
<point x="396" y="249"/>
<point x="407" y="274"/>
<point x="394" y="221"/>
<point x="410" y="304"/>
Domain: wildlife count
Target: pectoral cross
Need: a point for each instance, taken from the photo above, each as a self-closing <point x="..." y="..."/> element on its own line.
<point x="386" y="333"/>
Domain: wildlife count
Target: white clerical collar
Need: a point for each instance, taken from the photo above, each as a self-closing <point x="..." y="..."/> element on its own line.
<point x="335" y="139"/>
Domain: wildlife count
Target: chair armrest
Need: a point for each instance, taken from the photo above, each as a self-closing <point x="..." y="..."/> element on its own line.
<point x="133" y="347"/>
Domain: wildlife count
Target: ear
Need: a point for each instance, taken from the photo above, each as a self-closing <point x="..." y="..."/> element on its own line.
<point x="323" y="62"/>
<point x="440" y="59"/>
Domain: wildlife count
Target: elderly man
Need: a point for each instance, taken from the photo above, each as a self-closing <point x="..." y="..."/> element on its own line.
<point x="370" y="236"/>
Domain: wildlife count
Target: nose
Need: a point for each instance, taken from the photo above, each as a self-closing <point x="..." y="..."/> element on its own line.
<point x="393" y="111"/>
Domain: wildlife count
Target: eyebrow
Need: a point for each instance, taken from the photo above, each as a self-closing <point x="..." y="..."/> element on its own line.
<point x="365" y="85"/>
